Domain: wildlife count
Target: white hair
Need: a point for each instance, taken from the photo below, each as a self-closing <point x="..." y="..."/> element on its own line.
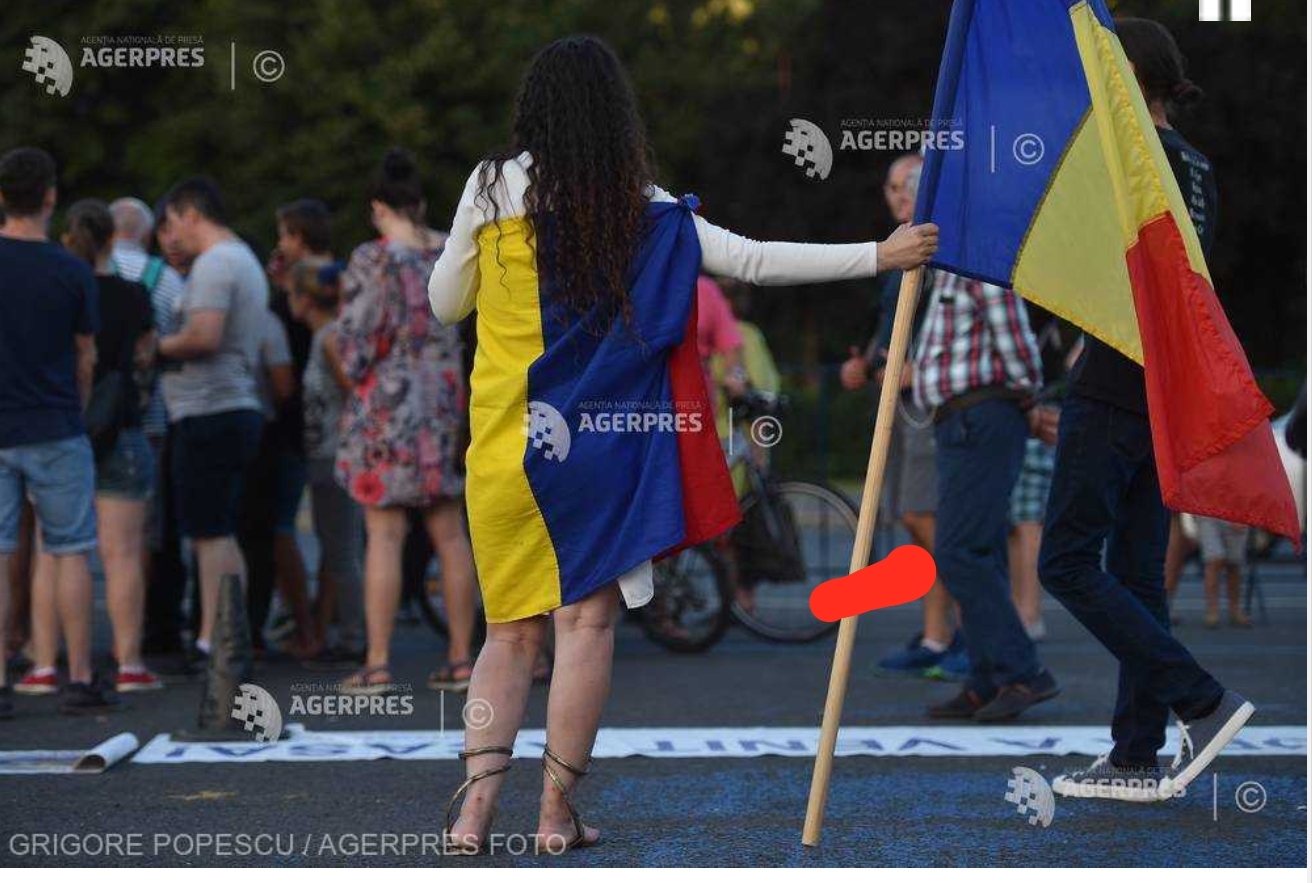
<point x="133" y="219"/>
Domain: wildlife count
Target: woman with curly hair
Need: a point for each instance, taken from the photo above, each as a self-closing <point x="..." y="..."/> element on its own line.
<point x="398" y="448"/>
<point x="593" y="448"/>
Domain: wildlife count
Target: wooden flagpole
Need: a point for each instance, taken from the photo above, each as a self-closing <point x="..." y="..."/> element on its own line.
<point x="907" y="296"/>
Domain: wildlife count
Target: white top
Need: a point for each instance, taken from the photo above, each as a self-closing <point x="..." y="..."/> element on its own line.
<point x="453" y="287"/>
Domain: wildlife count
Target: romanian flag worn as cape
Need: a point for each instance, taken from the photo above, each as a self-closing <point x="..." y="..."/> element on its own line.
<point x="1063" y="192"/>
<point x="591" y="452"/>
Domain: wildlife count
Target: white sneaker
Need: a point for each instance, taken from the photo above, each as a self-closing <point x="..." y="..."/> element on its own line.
<point x="1102" y="780"/>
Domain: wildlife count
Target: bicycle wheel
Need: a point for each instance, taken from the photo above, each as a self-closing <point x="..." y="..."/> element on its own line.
<point x="818" y="527"/>
<point x="690" y="610"/>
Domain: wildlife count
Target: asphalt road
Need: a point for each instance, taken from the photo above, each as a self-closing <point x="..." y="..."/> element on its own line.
<point x="661" y="812"/>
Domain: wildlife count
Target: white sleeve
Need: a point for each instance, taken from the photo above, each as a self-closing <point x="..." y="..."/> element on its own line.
<point x="778" y="263"/>
<point x="454" y="284"/>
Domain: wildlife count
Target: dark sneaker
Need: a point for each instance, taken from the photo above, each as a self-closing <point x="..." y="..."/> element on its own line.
<point x="1015" y="698"/>
<point x="1101" y="779"/>
<point x="955" y="666"/>
<point x="87" y="699"/>
<point x="961" y="706"/>
<point x="6" y="702"/>
<point x="1202" y="739"/>
<point x="914" y="659"/>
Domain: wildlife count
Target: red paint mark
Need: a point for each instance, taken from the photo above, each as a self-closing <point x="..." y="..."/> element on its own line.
<point x="905" y="575"/>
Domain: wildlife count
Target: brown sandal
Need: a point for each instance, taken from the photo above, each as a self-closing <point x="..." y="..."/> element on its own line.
<point x="580" y="840"/>
<point x="466" y="849"/>
<point x="363" y="682"/>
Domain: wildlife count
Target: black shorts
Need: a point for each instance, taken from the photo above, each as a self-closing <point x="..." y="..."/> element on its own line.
<point x="210" y="456"/>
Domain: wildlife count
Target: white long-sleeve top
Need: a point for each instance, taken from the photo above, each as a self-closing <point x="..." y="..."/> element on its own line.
<point x="453" y="287"/>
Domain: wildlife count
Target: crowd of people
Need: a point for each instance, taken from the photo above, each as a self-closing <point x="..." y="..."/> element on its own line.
<point x="161" y="384"/>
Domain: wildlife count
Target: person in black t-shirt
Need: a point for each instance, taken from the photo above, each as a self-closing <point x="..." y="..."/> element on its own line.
<point x="125" y="462"/>
<point x="48" y="319"/>
<point x="1105" y="536"/>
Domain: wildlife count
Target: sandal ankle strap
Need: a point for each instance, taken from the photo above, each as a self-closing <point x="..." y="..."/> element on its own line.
<point x="489" y="749"/>
<point x="548" y="754"/>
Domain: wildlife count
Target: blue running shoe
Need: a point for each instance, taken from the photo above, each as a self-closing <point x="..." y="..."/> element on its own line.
<point x="954" y="666"/>
<point x="914" y="659"/>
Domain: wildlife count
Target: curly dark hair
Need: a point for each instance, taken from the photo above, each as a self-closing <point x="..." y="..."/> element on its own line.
<point x="587" y="194"/>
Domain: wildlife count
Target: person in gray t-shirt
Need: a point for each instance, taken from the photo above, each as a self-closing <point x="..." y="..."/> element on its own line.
<point x="228" y="283"/>
<point x="210" y="385"/>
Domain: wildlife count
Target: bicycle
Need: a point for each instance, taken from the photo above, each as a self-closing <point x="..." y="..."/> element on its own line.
<point x="793" y="536"/>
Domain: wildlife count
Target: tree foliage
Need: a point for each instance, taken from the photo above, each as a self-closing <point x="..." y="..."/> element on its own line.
<point x="718" y="81"/>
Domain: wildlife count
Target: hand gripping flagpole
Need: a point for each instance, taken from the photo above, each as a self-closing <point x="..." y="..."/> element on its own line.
<point x="907" y="296"/>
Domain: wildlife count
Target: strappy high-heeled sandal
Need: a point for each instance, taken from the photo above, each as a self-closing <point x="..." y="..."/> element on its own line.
<point x="454" y="805"/>
<point x="580" y="840"/>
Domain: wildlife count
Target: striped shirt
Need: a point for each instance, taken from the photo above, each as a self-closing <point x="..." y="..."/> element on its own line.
<point x="130" y="263"/>
<point x="975" y="335"/>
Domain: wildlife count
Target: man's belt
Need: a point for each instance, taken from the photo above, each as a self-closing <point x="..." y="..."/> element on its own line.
<point x="980" y="394"/>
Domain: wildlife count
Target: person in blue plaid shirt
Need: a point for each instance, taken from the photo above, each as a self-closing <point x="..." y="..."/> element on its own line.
<point x="978" y="368"/>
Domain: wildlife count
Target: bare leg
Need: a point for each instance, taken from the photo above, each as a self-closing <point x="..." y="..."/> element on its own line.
<point x="1233" y="575"/>
<point x="45" y="610"/>
<point x="122" y="526"/>
<point x="20" y="584"/>
<point x="73" y="599"/>
<point x="382" y="579"/>
<point x="325" y="605"/>
<point x="500" y="685"/>
<point x="1023" y="552"/>
<point x="447" y="531"/>
<point x="937" y="604"/>
<point x="216" y="557"/>
<point x="1212" y="590"/>
<point x="1177" y="550"/>
<point x="294" y="586"/>
<point x="585" y="645"/>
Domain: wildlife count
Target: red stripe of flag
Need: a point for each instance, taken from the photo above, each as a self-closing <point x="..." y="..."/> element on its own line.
<point x="1215" y="452"/>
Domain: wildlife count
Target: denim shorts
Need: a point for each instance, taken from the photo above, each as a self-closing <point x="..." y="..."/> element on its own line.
<point x="210" y="456"/>
<point x="128" y="471"/>
<point x="59" y="477"/>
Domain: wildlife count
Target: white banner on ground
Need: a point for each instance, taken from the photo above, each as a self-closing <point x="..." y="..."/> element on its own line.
<point x="97" y="760"/>
<point x="726" y="742"/>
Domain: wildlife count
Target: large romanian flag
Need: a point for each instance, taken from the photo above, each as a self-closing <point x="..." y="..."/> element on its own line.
<point x="593" y="441"/>
<point x="1063" y="192"/>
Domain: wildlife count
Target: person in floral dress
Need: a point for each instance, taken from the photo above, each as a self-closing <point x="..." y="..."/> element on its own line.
<point x="401" y="429"/>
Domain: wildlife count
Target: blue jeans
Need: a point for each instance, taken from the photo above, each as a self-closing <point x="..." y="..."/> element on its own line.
<point x="59" y="477"/>
<point x="979" y="452"/>
<point x="1105" y="495"/>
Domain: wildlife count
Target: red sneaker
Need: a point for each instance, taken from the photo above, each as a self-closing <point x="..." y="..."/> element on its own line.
<point x="136" y="682"/>
<point x="34" y="684"/>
